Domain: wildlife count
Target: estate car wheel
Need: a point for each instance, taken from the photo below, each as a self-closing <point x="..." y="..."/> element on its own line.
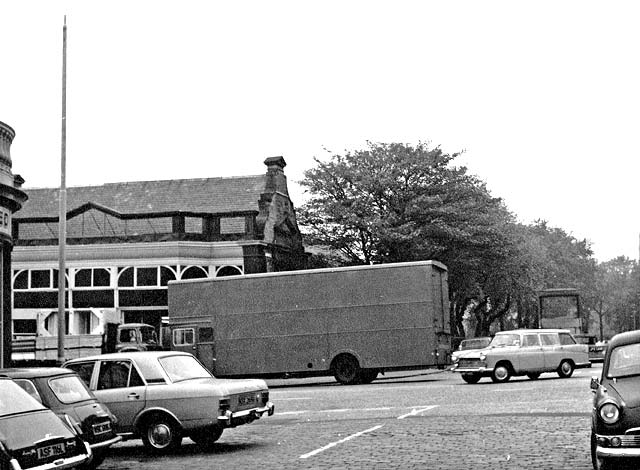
<point x="471" y="378"/>
<point x="160" y="434"/>
<point x="206" y="437"/>
<point x="501" y="373"/>
<point x="566" y="369"/>
<point x="346" y="369"/>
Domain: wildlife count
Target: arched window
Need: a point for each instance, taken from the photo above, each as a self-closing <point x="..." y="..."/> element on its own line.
<point x="228" y="271"/>
<point x="194" y="272"/>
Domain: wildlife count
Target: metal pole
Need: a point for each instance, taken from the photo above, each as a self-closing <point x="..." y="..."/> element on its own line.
<point x="62" y="222"/>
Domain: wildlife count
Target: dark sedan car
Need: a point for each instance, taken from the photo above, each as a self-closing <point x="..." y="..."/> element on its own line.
<point x="33" y="437"/>
<point x="615" y="423"/>
<point x="62" y="391"/>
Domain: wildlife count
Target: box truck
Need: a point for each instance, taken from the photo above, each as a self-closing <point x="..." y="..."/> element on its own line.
<point x="350" y="322"/>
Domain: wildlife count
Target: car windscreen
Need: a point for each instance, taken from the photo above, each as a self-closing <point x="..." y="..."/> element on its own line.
<point x="69" y="389"/>
<point x="624" y="361"/>
<point x="500" y="341"/>
<point x="180" y="368"/>
<point x="14" y="399"/>
<point x="474" y="343"/>
<point x="148" y="334"/>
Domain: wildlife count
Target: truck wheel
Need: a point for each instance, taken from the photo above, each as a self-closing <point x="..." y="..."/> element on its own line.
<point x="206" y="437"/>
<point x="471" y="378"/>
<point x="346" y="369"/>
<point x="160" y="434"/>
<point x="565" y="370"/>
<point x="368" y="375"/>
<point x="501" y="373"/>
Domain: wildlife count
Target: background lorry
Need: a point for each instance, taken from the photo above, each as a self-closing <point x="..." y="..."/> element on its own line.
<point x="351" y="322"/>
<point x="43" y="350"/>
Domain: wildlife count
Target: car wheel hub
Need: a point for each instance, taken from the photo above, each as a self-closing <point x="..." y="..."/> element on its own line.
<point x="501" y="373"/>
<point x="160" y="435"/>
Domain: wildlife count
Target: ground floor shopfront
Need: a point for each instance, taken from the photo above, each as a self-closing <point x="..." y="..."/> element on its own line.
<point x="111" y="283"/>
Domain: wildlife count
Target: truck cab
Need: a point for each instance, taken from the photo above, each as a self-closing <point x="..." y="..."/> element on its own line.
<point x="136" y="337"/>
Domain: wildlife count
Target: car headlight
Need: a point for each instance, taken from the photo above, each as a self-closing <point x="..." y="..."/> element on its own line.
<point x="483" y="356"/>
<point x="610" y="413"/>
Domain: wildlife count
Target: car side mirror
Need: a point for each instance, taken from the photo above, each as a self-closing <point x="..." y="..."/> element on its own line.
<point x="595" y="383"/>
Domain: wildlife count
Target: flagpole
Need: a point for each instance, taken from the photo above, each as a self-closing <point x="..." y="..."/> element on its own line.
<point x="62" y="219"/>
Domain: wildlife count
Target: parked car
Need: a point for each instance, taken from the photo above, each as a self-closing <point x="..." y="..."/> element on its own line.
<point x="161" y="396"/>
<point x="615" y="417"/>
<point x="597" y="349"/>
<point x="524" y="352"/>
<point x="33" y="437"/>
<point x="470" y="344"/>
<point x="64" y="393"/>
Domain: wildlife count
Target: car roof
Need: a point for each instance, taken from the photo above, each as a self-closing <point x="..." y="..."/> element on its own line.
<point x="535" y="330"/>
<point x="144" y="355"/>
<point x="32" y="372"/>
<point x="628" y="337"/>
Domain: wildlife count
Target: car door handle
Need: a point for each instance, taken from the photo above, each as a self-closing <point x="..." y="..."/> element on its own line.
<point x="133" y="396"/>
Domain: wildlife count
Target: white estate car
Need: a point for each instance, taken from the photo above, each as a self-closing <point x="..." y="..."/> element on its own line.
<point x="524" y="352"/>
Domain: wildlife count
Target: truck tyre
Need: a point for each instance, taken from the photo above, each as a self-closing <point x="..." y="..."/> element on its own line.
<point x="346" y="369"/>
<point x="160" y="434"/>
<point x="565" y="370"/>
<point x="368" y="375"/>
<point x="501" y="372"/>
<point x="206" y="437"/>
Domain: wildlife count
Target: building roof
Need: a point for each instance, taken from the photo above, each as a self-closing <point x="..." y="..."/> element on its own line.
<point x="210" y="195"/>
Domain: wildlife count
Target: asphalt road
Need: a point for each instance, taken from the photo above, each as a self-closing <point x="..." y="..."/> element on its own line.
<point x="420" y="419"/>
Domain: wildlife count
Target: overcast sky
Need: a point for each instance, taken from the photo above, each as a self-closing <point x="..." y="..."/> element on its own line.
<point x="542" y="96"/>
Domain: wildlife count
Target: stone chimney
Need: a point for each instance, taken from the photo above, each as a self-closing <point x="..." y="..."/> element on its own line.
<point x="276" y="180"/>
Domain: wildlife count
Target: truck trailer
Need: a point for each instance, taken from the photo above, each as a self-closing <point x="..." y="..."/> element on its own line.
<point x="350" y="322"/>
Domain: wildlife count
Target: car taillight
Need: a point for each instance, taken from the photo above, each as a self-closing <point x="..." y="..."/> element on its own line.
<point x="224" y="404"/>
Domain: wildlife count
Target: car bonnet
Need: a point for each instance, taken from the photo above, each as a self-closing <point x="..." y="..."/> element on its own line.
<point x="628" y="388"/>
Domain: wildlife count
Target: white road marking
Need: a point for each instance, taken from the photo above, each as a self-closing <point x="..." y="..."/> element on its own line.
<point x="347" y="410"/>
<point x="333" y="444"/>
<point x="295" y="398"/>
<point x="417" y="411"/>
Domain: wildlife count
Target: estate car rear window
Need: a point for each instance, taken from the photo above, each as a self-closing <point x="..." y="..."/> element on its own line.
<point x="566" y="339"/>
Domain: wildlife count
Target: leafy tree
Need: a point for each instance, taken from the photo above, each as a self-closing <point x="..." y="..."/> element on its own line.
<point x="397" y="202"/>
<point x="615" y="305"/>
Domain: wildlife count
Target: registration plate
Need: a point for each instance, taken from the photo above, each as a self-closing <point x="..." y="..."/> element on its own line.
<point x="246" y="400"/>
<point x="50" y="451"/>
<point x="101" y="428"/>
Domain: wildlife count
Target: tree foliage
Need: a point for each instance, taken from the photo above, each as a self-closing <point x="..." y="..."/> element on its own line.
<point x="393" y="202"/>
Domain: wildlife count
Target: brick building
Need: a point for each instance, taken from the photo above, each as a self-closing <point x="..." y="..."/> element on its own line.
<point x="125" y="241"/>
